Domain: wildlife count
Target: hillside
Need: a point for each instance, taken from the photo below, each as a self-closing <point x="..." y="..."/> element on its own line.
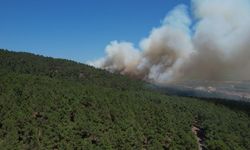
<point x="48" y="103"/>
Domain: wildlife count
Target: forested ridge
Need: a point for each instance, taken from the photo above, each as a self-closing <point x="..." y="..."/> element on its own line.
<point x="48" y="103"/>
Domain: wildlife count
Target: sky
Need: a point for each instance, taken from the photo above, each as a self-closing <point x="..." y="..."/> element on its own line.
<point x="78" y="30"/>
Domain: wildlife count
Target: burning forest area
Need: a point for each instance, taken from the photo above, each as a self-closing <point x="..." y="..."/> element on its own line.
<point x="194" y="52"/>
<point x="180" y="84"/>
<point x="192" y="43"/>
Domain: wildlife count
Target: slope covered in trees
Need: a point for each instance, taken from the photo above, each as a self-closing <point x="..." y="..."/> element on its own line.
<point x="48" y="103"/>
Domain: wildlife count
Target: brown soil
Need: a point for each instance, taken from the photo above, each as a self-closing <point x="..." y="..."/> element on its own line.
<point x="200" y="135"/>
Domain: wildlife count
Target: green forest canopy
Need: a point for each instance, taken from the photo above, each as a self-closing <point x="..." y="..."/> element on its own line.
<point x="48" y="103"/>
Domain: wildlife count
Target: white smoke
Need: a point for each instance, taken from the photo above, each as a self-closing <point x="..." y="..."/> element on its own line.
<point x="213" y="46"/>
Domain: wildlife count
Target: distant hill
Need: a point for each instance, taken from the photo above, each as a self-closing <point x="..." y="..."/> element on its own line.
<point x="48" y="103"/>
<point x="227" y="90"/>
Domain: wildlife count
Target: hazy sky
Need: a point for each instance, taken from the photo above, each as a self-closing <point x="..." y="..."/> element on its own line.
<point x="77" y="29"/>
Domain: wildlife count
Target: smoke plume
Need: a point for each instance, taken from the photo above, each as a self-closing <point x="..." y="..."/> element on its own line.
<point x="213" y="45"/>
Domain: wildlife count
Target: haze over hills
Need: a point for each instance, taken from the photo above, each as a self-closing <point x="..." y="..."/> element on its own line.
<point x="48" y="103"/>
<point x="228" y="90"/>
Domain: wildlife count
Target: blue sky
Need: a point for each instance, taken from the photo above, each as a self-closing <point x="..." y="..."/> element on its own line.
<point x="77" y="29"/>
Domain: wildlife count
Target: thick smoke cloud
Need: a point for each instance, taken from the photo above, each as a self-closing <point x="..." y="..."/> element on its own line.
<point x="215" y="45"/>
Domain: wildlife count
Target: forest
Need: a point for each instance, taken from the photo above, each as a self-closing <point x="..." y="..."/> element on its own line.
<point x="48" y="103"/>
